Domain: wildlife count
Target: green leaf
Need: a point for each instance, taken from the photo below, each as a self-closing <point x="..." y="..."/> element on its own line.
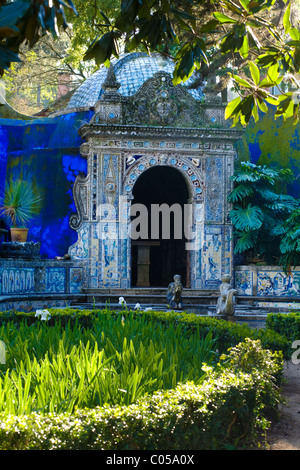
<point x="286" y="19"/>
<point x="272" y="100"/>
<point x="262" y="106"/>
<point x="242" y="81"/>
<point x="244" y="50"/>
<point x="6" y="57"/>
<point x="231" y="107"/>
<point x="295" y="34"/>
<point x="12" y="12"/>
<point x="224" y="18"/>
<point x="184" y="67"/>
<point x="247" y="107"/>
<point x="244" y="241"/>
<point x="270" y="58"/>
<point x="102" y="49"/>
<point x="255" y="110"/>
<point x="209" y="27"/>
<point x="273" y="73"/>
<point x="245" y="4"/>
<point x="278" y="230"/>
<point x="254" y="72"/>
<point x="129" y="9"/>
<point x="234" y="40"/>
<point x="268" y="195"/>
<point x="241" y="192"/>
<point x="249" y="218"/>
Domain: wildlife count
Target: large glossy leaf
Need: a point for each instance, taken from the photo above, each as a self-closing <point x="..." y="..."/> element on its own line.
<point x="249" y="218"/>
<point x="103" y="48"/>
<point x="129" y="9"/>
<point x="6" y="57"/>
<point x="12" y="12"/>
<point x="244" y="241"/>
<point x="241" y="192"/>
<point x="232" y="107"/>
<point x="286" y="19"/>
<point x="255" y="74"/>
<point x="224" y="18"/>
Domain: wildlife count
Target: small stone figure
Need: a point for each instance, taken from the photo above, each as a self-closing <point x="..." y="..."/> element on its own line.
<point x="226" y="301"/>
<point x="174" y="293"/>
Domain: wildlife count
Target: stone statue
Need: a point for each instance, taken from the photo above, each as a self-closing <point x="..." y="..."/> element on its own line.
<point x="174" y="293"/>
<point x="226" y="301"/>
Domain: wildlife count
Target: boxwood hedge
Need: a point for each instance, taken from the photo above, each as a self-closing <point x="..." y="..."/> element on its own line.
<point x="233" y="404"/>
<point x="227" y="333"/>
<point x="236" y="400"/>
<point x="285" y="324"/>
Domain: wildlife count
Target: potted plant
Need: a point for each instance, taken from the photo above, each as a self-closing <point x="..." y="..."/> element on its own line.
<point x="20" y="203"/>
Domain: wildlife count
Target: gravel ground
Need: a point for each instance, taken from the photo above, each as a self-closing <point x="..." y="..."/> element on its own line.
<point x="285" y="435"/>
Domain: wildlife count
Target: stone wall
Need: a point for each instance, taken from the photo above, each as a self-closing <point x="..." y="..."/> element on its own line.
<point x="267" y="282"/>
<point x="55" y="281"/>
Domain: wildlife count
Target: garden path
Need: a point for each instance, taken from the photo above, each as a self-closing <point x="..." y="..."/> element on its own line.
<point x="285" y="435"/>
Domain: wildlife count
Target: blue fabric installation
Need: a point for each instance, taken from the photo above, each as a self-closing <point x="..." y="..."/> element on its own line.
<point x="46" y="152"/>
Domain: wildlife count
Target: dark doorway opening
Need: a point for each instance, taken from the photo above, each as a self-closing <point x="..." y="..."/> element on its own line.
<point x="166" y="254"/>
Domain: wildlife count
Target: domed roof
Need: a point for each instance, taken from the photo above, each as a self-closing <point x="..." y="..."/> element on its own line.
<point x="131" y="71"/>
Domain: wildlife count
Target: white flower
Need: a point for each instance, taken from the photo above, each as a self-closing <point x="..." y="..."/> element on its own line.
<point x="44" y="314"/>
<point x="137" y="307"/>
<point x="148" y="308"/>
<point x="122" y="301"/>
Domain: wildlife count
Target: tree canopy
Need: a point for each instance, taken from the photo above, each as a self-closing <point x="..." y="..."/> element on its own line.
<point x="254" y="43"/>
<point x="54" y="63"/>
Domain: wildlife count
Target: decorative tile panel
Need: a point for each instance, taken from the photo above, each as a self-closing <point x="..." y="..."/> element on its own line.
<point x="212" y="256"/>
<point x="264" y="281"/>
<point x="76" y="280"/>
<point x="214" y="190"/>
<point x="244" y="282"/>
<point x="278" y="283"/>
<point x="55" y="280"/>
<point x="17" y="280"/>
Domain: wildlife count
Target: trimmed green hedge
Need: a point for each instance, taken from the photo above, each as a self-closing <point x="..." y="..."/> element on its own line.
<point x="285" y="324"/>
<point x="228" y="334"/>
<point x="232" y="405"/>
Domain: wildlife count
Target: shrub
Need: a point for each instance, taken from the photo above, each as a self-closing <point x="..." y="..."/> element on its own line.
<point x="233" y="403"/>
<point x="61" y="368"/>
<point x="285" y="324"/>
<point x="226" y="334"/>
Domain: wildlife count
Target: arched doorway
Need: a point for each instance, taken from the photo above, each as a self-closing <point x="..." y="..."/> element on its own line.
<point x="163" y="192"/>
